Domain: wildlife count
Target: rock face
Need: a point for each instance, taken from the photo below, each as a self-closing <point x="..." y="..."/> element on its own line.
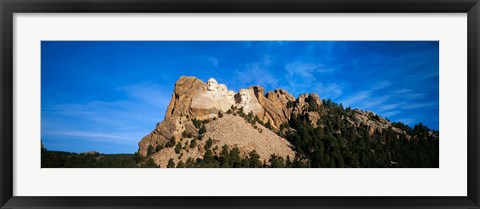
<point x="249" y="102"/>
<point x="373" y="121"/>
<point x="278" y="105"/>
<point x="308" y="105"/>
<point x="185" y="89"/>
<point x="196" y="99"/>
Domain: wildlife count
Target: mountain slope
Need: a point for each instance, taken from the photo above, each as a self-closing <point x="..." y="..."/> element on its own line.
<point x="232" y="131"/>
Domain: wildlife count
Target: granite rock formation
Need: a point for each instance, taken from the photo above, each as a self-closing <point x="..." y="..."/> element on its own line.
<point x="195" y="100"/>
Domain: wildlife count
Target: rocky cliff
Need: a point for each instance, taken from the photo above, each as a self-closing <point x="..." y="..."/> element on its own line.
<point x="194" y="100"/>
<point x="207" y="115"/>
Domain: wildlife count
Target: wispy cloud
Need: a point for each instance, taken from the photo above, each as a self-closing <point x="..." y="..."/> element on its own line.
<point x="386" y="107"/>
<point x="401" y="91"/>
<point x="390" y="113"/>
<point x="301" y="76"/>
<point x="214" y="61"/>
<point x="419" y="105"/>
<point x="356" y="98"/>
<point x="256" y="74"/>
<point x="407" y="120"/>
<point x="151" y="93"/>
<point x="388" y="103"/>
<point x="305" y="70"/>
<point x="329" y="90"/>
<point x="370" y="99"/>
<point x="112" y="137"/>
<point x="377" y="101"/>
<point x="381" y="85"/>
<point x="422" y="76"/>
<point x="366" y="98"/>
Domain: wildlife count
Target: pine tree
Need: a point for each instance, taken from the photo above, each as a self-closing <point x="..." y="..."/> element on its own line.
<point x="268" y="125"/>
<point x="150" y="164"/>
<point x="193" y="143"/>
<point x="202" y="129"/>
<point x="208" y="143"/>
<point x="171" y="164"/>
<point x="159" y="147"/>
<point x="220" y="114"/>
<point x="254" y="160"/>
<point x="150" y="150"/>
<point x="235" y="159"/>
<point x="225" y="157"/>
<point x="180" y="164"/>
<point x="178" y="147"/>
<point x="171" y="142"/>
<point x="276" y="161"/>
<point x="208" y="159"/>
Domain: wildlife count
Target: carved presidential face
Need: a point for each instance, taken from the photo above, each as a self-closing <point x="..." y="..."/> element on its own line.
<point x="244" y="96"/>
<point x="212" y="84"/>
<point x="222" y="88"/>
<point x="230" y="93"/>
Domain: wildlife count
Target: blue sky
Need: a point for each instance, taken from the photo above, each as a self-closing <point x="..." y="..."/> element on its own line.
<point x="107" y="95"/>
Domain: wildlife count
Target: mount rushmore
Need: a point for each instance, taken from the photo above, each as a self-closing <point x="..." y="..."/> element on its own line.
<point x="195" y="100"/>
<point x="216" y="97"/>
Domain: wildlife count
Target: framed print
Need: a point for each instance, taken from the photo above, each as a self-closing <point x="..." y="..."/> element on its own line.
<point x="265" y="104"/>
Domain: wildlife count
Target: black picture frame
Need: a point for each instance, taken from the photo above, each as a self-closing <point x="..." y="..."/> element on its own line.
<point x="9" y="7"/>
